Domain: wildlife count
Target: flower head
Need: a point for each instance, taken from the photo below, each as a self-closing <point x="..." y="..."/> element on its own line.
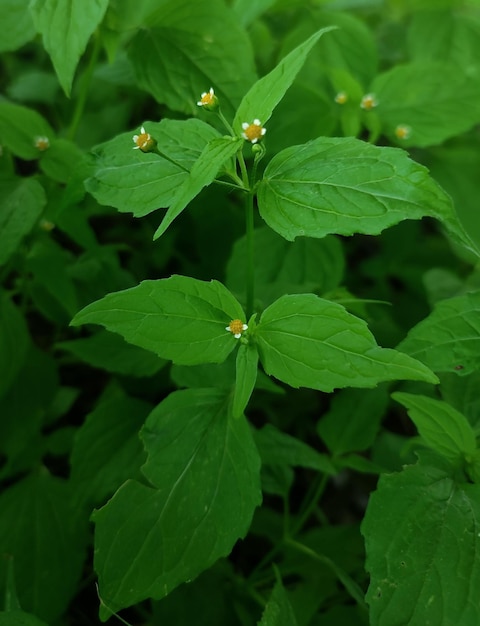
<point x="253" y="132"/>
<point x="402" y="131"/>
<point x="208" y="100"/>
<point x="369" y="101"/>
<point x="41" y="143"/>
<point x="341" y="97"/>
<point x="144" y="141"/>
<point x="236" y="327"/>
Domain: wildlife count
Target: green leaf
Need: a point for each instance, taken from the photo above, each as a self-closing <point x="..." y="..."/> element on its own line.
<point x="64" y="161"/>
<point x="353" y="419"/>
<point x="260" y="101"/>
<point x="442" y="427"/>
<point x="448" y="340"/>
<point x="47" y="554"/>
<point x="131" y="180"/>
<point x="107" y="450"/>
<point x="246" y="376"/>
<point x="278" y="448"/>
<point x="205" y="468"/>
<point x="19" y="127"/>
<point x="346" y="186"/>
<point x="203" y="172"/>
<point x="21" y="204"/>
<point x="448" y="36"/>
<point x="306" y="341"/>
<point x="66" y="26"/>
<point x="179" y="318"/>
<point x="435" y="100"/>
<point x="110" y="352"/>
<point x="298" y="267"/>
<point x="14" y="341"/>
<point x="421" y="528"/>
<point x="19" y="618"/>
<point x="211" y="50"/>
<point x="17" y="25"/>
<point x="278" y="610"/>
<point x="23" y="414"/>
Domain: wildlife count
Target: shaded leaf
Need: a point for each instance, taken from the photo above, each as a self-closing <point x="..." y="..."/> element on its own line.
<point x="21" y="204"/>
<point x="413" y="544"/>
<point x="205" y="468"/>
<point x="246" y="376"/>
<point x="190" y="47"/>
<point x="17" y="25"/>
<point x="66" y="27"/>
<point x="278" y="610"/>
<point x="448" y="340"/>
<point x="442" y="427"/>
<point x="19" y="127"/>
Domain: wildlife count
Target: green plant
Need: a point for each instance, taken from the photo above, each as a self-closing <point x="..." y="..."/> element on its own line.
<point x="238" y="389"/>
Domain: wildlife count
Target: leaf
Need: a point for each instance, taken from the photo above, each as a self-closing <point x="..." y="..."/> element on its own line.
<point x="64" y="162"/>
<point x="425" y="97"/>
<point x="19" y="126"/>
<point x="47" y="554"/>
<point x="353" y="419"/>
<point x="306" y="341"/>
<point x="21" y="204"/>
<point x="205" y="469"/>
<point x="210" y="47"/>
<point x="107" y="450"/>
<point x="203" y="172"/>
<point x="346" y="186"/>
<point x="179" y="318"/>
<point x="19" y="618"/>
<point x="448" y="340"/>
<point x="131" y="180"/>
<point x="278" y="448"/>
<point x="14" y="341"/>
<point x="278" y="610"/>
<point x="110" y="352"/>
<point x="445" y="35"/>
<point x="260" y="101"/>
<point x="17" y="25"/>
<point x="246" y="376"/>
<point x="442" y="427"/>
<point x="66" y="26"/>
<point x="298" y="267"/>
<point x="420" y="527"/>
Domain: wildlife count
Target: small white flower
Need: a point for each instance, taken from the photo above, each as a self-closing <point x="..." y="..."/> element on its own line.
<point x="208" y="99"/>
<point x="144" y="141"/>
<point x="369" y="101"/>
<point x="402" y="131"/>
<point x="253" y="132"/>
<point x="42" y="143"/>
<point x="236" y="327"/>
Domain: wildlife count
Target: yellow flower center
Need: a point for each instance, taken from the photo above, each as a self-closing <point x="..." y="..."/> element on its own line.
<point x="236" y="327"/>
<point x="341" y="97"/>
<point x="142" y="140"/>
<point x="402" y="132"/>
<point x="253" y="131"/>
<point x="207" y="98"/>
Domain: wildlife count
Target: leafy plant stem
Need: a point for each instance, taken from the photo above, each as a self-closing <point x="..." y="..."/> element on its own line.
<point x="225" y="122"/>
<point x="82" y="98"/>
<point x="311" y="503"/>
<point x="250" y="254"/>
<point x="350" y="585"/>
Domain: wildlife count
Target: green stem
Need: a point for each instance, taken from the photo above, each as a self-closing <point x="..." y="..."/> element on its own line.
<point x="312" y="501"/>
<point x="82" y="98"/>
<point x="347" y="581"/>
<point x="225" y="122"/>
<point x="250" y="255"/>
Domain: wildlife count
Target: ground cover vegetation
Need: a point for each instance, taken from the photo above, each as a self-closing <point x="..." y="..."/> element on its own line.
<point x="239" y="312"/>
